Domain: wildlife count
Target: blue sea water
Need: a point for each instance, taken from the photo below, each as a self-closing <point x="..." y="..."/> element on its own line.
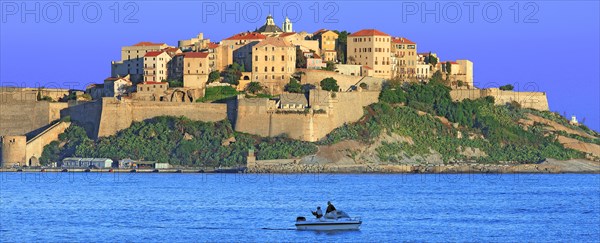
<point x="106" y="207"/>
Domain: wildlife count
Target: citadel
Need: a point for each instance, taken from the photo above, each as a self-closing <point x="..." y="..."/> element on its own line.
<point x="155" y="79"/>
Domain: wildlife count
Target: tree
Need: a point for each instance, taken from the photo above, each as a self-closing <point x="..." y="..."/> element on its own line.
<point x="507" y="87"/>
<point x="300" y="59"/>
<point x="214" y="75"/>
<point x="459" y="83"/>
<point x="448" y="67"/>
<point x="437" y="76"/>
<point x="233" y="73"/>
<point x="342" y="43"/>
<point x="329" y="84"/>
<point x="254" y="87"/>
<point x="293" y="86"/>
<point x="330" y="66"/>
<point x="174" y="83"/>
<point x="432" y="60"/>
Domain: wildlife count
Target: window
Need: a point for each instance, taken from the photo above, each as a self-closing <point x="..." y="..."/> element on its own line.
<point x="282" y="58"/>
<point x="255" y="58"/>
<point x="272" y="69"/>
<point x="255" y="69"/>
<point x="266" y="58"/>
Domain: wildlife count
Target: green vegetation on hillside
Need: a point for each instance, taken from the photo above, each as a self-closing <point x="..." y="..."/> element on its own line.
<point x="179" y="141"/>
<point x="218" y="93"/>
<point x="483" y="125"/>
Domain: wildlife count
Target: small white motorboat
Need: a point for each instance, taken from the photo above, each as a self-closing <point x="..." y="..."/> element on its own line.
<point x="342" y="222"/>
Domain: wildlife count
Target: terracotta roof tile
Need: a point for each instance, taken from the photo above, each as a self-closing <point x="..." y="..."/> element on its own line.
<point x="402" y="40"/>
<point x="369" y="32"/>
<point x="153" y="53"/>
<point x="286" y="34"/>
<point x="247" y="36"/>
<point x="146" y="43"/>
<point x="150" y="82"/>
<point x="212" y="45"/>
<point x="275" y="41"/>
<point x="195" y="55"/>
<point x="319" y="31"/>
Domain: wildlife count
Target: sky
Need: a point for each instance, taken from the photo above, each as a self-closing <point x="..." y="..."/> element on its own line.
<point x="548" y="46"/>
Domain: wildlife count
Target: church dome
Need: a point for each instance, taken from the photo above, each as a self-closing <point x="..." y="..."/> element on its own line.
<point x="269" y="26"/>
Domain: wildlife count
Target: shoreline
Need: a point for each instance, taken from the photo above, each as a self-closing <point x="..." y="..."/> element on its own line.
<point x="549" y="167"/>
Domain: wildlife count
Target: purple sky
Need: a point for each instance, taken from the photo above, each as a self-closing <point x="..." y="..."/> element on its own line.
<point x="553" y="45"/>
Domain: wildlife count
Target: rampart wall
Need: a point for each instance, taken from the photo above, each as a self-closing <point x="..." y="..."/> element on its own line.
<point x="533" y="100"/>
<point x="11" y="94"/>
<point x="19" y="118"/>
<point x="255" y="117"/>
<point x="315" y="76"/>
<point x="107" y="116"/>
<point x="35" y="146"/>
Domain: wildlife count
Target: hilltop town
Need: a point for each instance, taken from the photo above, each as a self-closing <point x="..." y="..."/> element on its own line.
<point x="270" y="82"/>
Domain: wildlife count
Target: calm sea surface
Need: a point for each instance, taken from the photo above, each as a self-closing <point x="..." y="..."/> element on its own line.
<point x="103" y="207"/>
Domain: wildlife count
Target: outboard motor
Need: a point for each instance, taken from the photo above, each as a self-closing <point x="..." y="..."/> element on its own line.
<point x="300" y="219"/>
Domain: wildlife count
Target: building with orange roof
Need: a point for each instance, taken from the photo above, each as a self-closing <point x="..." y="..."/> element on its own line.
<point x="240" y="46"/>
<point x="156" y="66"/>
<point x="196" y="68"/>
<point x="111" y="87"/>
<point x="327" y="42"/>
<point x="273" y="63"/>
<point x="405" y="57"/>
<point x="117" y="86"/>
<point x="372" y="48"/>
<point x="132" y="60"/>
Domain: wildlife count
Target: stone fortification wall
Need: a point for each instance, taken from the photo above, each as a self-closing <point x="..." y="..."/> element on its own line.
<point x="107" y="116"/>
<point x="13" y="94"/>
<point x="35" y="146"/>
<point x="13" y="150"/>
<point x="86" y="115"/>
<point x="21" y="117"/>
<point x="327" y="112"/>
<point x="533" y="100"/>
<point x="315" y="76"/>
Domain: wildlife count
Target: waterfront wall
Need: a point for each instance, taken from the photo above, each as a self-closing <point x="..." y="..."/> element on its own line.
<point x="35" y="146"/>
<point x="20" y="151"/>
<point x="13" y="150"/>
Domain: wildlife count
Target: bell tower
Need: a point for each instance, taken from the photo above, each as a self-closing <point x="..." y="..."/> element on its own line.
<point x="287" y="25"/>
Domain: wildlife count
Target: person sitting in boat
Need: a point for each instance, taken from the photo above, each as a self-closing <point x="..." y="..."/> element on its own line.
<point x="331" y="212"/>
<point x="318" y="213"/>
